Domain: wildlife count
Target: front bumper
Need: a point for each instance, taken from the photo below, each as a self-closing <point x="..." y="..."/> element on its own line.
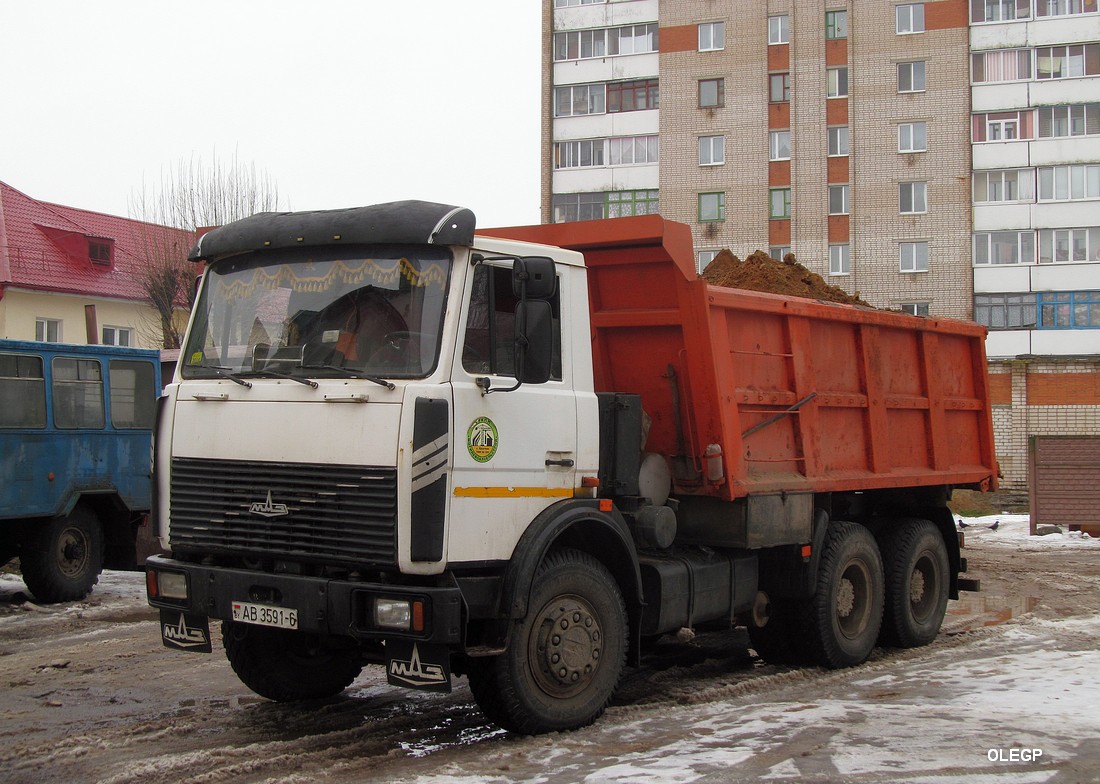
<point x="324" y="606"/>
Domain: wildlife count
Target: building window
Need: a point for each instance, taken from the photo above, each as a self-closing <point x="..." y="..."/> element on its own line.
<point x="1000" y="10"/>
<point x="628" y="150"/>
<point x="840" y="259"/>
<point x="579" y="99"/>
<point x="911" y="77"/>
<point x="914" y="256"/>
<point x="910" y="18"/>
<point x="712" y="150"/>
<point x="1005" y="311"/>
<point x="1062" y="245"/>
<point x="1004" y="185"/>
<point x="838" y="200"/>
<point x="99" y="251"/>
<point x="838" y="140"/>
<point x="633" y="96"/>
<point x="569" y="207"/>
<point x="913" y="137"/>
<point x="779" y="29"/>
<point x="712" y="207"/>
<point x="47" y="330"/>
<point x="568" y="3"/>
<point x="712" y="93"/>
<point x="77" y="393"/>
<point x="1003" y="126"/>
<point x="118" y="336"/>
<point x="779" y="203"/>
<point x="703" y="258"/>
<point x="712" y="36"/>
<point x="623" y="204"/>
<point x="1069" y="309"/>
<point x="779" y="87"/>
<point x="1001" y="65"/>
<point x="779" y="145"/>
<point x="838" y="82"/>
<point x="915" y="308"/>
<point x="1075" y="120"/>
<point x="586" y="44"/>
<point x="836" y="24"/>
<point x="1004" y="247"/>
<point x="1069" y="183"/>
<point x="913" y="197"/>
<point x="579" y="154"/>
<point x="634" y="39"/>
<point x="1066" y="62"/>
<point x="779" y="251"/>
<point x="1064" y="7"/>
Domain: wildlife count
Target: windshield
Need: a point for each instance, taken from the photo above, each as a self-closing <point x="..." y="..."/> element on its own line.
<point x="321" y="312"/>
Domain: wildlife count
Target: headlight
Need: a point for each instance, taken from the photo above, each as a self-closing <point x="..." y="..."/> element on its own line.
<point x="393" y="613"/>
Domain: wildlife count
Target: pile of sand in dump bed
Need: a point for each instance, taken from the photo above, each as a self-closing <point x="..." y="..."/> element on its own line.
<point x="760" y="272"/>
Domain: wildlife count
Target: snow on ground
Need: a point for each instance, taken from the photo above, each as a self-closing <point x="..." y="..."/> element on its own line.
<point x="1015" y="530"/>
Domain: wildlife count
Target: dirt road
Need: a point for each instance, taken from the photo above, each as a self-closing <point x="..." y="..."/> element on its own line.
<point x="89" y="695"/>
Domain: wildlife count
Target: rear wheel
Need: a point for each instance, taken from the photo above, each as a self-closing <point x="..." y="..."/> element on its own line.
<point x="565" y="657"/>
<point x="287" y="666"/>
<point x="845" y="613"/>
<point x="62" y="558"/>
<point x="917" y="584"/>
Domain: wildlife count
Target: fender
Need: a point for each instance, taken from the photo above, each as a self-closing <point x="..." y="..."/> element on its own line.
<point x="581" y="524"/>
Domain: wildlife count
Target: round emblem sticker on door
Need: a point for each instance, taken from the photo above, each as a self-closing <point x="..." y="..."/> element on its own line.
<point x="482" y="439"/>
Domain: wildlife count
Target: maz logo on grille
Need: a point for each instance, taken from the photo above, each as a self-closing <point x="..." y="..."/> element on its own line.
<point x="269" y="508"/>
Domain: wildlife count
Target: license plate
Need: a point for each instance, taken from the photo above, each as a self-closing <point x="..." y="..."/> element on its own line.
<point x="265" y="615"/>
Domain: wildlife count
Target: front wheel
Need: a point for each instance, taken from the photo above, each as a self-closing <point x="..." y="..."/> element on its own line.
<point x="845" y="613"/>
<point x="287" y="666"/>
<point x="565" y="657"/>
<point x="62" y="559"/>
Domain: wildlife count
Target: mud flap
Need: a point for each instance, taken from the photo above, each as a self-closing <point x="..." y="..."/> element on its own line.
<point x="185" y="631"/>
<point x="418" y="666"/>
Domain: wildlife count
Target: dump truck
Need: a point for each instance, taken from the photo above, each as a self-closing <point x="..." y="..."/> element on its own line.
<point x="76" y="427"/>
<point x="523" y="454"/>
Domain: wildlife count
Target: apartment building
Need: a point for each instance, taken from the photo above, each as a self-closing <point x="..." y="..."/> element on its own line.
<point x="1035" y="72"/>
<point x="834" y="130"/>
<point x="937" y="157"/>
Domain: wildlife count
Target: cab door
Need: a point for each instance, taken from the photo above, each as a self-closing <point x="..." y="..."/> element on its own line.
<point x="514" y="451"/>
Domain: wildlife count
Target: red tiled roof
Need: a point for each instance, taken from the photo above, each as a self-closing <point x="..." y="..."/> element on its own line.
<point x="44" y="246"/>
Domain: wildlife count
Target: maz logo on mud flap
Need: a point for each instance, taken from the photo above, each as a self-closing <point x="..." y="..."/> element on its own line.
<point x="416" y="673"/>
<point x="183" y="635"/>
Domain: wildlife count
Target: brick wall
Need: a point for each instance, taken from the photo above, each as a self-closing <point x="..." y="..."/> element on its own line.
<point x="1040" y="397"/>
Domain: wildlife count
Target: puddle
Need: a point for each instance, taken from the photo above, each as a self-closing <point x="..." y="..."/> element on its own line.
<point x="975" y="610"/>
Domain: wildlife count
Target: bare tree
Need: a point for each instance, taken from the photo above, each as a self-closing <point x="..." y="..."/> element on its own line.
<point x="195" y="194"/>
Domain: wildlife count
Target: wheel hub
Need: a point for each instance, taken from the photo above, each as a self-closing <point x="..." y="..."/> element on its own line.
<point x="72" y="549"/>
<point x="568" y="647"/>
<point x="845" y="598"/>
<point x="916" y="587"/>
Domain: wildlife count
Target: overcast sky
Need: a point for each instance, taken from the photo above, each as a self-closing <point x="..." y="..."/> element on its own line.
<point x="342" y="103"/>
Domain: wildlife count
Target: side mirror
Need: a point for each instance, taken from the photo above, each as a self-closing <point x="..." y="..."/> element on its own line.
<point x="533" y="277"/>
<point x="534" y="341"/>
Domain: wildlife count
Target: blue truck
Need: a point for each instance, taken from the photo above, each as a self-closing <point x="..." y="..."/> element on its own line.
<point x="76" y="426"/>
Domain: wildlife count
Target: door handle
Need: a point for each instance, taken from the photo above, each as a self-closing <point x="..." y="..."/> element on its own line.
<point x="566" y="463"/>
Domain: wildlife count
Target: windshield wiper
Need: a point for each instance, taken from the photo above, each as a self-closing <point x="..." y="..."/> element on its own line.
<point x="278" y="374"/>
<point x="349" y="373"/>
<point x="223" y="372"/>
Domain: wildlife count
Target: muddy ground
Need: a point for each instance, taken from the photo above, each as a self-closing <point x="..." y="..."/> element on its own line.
<point x="89" y="695"/>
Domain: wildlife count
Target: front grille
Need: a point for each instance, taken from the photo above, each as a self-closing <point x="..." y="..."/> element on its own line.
<point x="334" y="514"/>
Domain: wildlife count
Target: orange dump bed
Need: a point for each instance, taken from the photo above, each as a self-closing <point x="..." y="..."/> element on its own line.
<point x="795" y="394"/>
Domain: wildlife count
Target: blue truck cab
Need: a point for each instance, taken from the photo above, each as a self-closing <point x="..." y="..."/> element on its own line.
<point x="76" y="425"/>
